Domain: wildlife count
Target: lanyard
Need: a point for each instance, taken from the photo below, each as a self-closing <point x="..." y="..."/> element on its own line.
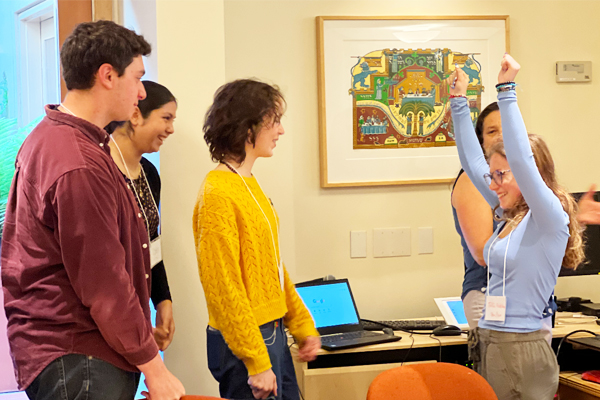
<point x="135" y="191"/>
<point x="487" y="290"/>
<point x="129" y="176"/>
<point x="275" y="248"/>
<point x="69" y="111"/>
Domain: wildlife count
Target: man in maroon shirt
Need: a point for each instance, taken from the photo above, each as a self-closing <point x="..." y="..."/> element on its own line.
<point x="75" y="250"/>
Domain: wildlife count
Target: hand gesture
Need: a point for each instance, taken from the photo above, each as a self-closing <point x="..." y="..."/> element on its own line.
<point x="263" y="384"/>
<point x="162" y="384"/>
<point x="589" y="210"/>
<point x="308" y="348"/>
<point x="508" y="69"/>
<point x="459" y="81"/>
<point x="165" y="324"/>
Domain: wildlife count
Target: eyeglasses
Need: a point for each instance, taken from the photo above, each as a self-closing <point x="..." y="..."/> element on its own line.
<point x="496" y="176"/>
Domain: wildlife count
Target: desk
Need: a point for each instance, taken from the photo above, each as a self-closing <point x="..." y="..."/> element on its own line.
<point x="347" y="374"/>
<point x="572" y="387"/>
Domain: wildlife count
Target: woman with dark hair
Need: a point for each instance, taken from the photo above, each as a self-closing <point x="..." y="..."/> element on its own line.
<point x="249" y="294"/>
<point x="145" y="132"/>
<point x="538" y="232"/>
<point x="474" y="220"/>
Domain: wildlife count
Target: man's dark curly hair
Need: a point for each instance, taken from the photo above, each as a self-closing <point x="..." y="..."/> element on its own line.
<point x="92" y="44"/>
<point x="239" y="110"/>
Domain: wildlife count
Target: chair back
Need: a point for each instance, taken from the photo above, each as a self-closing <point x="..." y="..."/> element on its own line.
<point x="430" y="381"/>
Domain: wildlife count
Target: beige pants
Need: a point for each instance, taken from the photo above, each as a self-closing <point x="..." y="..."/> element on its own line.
<point x="473" y="304"/>
<point x="518" y="366"/>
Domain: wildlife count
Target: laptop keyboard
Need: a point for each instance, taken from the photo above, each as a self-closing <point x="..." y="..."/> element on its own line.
<point x="407" y="325"/>
<point x="347" y="336"/>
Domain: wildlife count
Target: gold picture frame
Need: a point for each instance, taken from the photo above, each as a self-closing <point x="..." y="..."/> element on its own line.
<point x="346" y="44"/>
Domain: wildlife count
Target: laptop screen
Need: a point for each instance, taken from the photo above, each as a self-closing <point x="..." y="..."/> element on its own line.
<point x="456" y="306"/>
<point x="453" y="311"/>
<point x="329" y="304"/>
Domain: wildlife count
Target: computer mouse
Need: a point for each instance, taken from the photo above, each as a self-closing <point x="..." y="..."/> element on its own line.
<point x="388" y="331"/>
<point x="447" y="330"/>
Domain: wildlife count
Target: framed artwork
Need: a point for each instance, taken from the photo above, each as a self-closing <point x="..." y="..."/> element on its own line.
<point x="384" y="111"/>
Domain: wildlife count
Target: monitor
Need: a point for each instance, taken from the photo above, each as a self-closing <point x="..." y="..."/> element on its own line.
<point x="453" y="311"/>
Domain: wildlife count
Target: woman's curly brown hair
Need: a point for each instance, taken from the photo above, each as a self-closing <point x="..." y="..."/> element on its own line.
<point x="574" y="253"/>
<point x="239" y="110"/>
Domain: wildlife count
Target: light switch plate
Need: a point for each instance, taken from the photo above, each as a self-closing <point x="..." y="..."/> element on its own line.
<point x="358" y="244"/>
<point x="426" y="240"/>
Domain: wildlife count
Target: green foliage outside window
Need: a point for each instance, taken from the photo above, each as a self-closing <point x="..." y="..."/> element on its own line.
<point x="11" y="138"/>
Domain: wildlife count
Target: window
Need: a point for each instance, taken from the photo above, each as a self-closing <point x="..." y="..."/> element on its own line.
<point x="29" y="79"/>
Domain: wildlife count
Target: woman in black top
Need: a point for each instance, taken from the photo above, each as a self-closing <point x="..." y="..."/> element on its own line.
<point x="145" y="132"/>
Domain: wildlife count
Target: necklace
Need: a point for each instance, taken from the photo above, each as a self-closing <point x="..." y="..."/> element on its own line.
<point x="135" y="189"/>
<point x="229" y="166"/>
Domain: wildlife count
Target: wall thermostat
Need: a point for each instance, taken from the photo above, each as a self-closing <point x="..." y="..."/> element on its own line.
<point x="573" y="71"/>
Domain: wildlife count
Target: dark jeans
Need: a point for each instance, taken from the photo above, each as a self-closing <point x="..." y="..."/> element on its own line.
<point x="232" y="375"/>
<point x="81" y="377"/>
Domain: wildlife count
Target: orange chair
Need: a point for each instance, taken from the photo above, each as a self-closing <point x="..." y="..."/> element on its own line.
<point x="431" y="381"/>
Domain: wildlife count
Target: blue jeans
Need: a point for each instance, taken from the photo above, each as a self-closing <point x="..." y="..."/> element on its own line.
<point x="81" y="377"/>
<point x="232" y="375"/>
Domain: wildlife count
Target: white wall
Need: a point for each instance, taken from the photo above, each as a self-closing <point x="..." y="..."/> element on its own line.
<point x="275" y="41"/>
<point x="140" y="16"/>
<point x="191" y="63"/>
<point x="205" y="43"/>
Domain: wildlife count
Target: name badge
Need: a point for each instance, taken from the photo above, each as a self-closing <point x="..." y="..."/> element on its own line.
<point x="155" y="252"/>
<point x="495" y="308"/>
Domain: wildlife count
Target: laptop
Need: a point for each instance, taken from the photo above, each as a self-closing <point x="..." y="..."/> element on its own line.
<point x="453" y="311"/>
<point x="334" y="311"/>
<point x="590" y="341"/>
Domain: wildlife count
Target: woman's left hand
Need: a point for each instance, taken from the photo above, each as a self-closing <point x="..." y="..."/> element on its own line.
<point x="308" y="348"/>
<point x="508" y="69"/>
<point x="165" y="324"/>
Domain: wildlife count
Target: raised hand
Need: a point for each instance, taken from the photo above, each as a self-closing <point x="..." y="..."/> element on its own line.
<point x="508" y="69"/>
<point x="459" y="81"/>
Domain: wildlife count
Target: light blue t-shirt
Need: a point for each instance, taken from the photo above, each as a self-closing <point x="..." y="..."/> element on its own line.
<point x="537" y="245"/>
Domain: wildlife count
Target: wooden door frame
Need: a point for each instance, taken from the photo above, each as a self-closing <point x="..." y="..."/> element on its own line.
<point x="73" y="12"/>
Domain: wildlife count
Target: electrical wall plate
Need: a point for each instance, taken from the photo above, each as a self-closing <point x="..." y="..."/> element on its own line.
<point x="573" y="71"/>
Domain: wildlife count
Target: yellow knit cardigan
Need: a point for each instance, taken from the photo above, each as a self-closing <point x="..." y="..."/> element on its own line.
<point x="238" y="268"/>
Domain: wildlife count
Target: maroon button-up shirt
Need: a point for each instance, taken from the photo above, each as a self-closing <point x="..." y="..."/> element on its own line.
<point x="75" y="254"/>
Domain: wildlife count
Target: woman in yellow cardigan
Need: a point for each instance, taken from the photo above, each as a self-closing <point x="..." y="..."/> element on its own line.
<point x="249" y="294"/>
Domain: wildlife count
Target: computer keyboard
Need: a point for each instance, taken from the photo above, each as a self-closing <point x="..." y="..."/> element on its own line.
<point x="346" y="336"/>
<point x="404" y="325"/>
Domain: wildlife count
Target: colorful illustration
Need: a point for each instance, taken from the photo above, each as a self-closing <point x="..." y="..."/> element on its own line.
<point x="400" y="97"/>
